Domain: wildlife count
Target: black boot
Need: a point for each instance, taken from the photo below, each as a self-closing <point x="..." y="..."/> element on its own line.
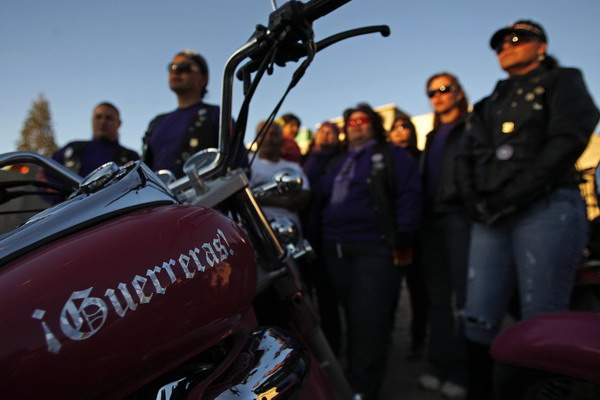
<point x="480" y="366"/>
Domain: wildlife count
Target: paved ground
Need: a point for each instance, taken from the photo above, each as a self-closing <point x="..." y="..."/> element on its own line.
<point x="402" y="375"/>
<point x="401" y="380"/>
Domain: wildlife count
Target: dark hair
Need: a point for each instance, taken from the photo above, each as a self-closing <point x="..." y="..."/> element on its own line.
<point x="110" y="105"/>
<point x="289" y="117"/>
<point x="550" y="62"/>
<point x="199" y="61"/>
<point x="379" y="132"/>
<point x="331" y="125"/>
<point x="196" y="58"/>
<point x="463" y="103"/>
<point x="340" y="144"/>
<point x="412" y="139"/>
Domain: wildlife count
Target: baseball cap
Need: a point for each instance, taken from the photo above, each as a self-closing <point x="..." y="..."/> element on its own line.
<point x="522" y="27"/>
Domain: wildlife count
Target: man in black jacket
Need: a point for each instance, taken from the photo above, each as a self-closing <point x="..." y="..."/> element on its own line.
<point x="82" y="157"/>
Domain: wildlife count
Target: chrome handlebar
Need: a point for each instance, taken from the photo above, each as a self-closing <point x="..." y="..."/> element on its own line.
<point x="28" y="157"/>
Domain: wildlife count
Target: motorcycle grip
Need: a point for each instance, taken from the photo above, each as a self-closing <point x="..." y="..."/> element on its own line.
<point x="315" y="9"/>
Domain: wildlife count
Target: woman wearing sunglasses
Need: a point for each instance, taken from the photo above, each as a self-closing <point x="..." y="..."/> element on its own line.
<point x="371" y="206"/>
<point x="516" y="172"/>
<point x="404" y="134"/>
<point x="444" y="238"/>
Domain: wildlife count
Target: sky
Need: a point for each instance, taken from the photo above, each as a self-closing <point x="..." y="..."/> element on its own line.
<point x="78" y="53"/>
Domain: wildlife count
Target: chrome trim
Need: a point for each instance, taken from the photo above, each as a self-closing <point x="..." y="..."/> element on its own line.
<point x="279" y="367"/>
<point x="171" y="389"/>
<point x="215" y="192"/>
<point x="286" y="231"/>
<point x="269" y="363"/>
<point x="286" y="183"/>
<point x="289" y="236"/>
<point x="226" y="120"/>
<point x="302" y="249"/>
<point x="166" y="176"/>
<point x="99" y="177"/>
<point x="263" y="238"/>
<point x="28" y="157"/>
<point x="135" y="186"/>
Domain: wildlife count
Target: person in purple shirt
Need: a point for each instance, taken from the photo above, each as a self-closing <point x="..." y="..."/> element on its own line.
<point x="404" y="134"/>
<point x="83" y="157"/>
<point x="173" y="137"/>
<point x="444" y="239"/>
<point x="371" y="207"/>
<point x="325" y="147"/>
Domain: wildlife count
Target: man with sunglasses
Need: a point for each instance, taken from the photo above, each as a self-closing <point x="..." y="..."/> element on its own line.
<point x="516" y="173"/>
<point x="173" y="137"/>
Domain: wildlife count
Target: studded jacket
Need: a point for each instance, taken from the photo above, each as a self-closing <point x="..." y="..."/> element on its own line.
<point x="82" y="157"/>
<point x="201" y="134"/>
<point x="523" y="140"/>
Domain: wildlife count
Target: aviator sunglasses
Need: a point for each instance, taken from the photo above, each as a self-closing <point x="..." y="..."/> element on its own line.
<point x="513" y="40"/>
<point x="442" y="89"/>
<point x="182" y="67"/>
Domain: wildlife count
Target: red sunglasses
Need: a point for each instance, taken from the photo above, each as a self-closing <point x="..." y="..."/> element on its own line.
<point x="359" y="121"/>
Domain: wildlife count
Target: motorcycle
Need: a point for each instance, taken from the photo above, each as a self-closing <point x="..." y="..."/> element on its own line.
<point x="556" y="356"/>
<point x="142" y="286"/>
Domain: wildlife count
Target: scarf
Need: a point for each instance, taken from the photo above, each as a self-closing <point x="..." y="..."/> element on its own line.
<point x="341" y="183"/>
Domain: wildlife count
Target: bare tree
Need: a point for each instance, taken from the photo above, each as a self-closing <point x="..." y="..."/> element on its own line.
<point x="37" y="133"/>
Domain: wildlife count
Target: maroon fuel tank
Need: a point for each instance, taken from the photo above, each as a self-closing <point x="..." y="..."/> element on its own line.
<point x="98" y="313"/>
<point x="563" y="342"/>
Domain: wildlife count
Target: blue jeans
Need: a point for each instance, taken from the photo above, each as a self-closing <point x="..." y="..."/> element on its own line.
<point x="367" y="285"/>
<point x="535" y="251"/>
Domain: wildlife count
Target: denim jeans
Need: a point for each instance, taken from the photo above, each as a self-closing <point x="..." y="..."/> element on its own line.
<point x="367" y="284"/>
<point x="535" y="251"/>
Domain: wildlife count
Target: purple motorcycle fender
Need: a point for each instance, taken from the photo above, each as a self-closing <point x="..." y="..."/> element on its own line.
<point x="566" y="343"/>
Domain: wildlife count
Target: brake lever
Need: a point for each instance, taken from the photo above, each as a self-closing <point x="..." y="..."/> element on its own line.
<point x="299" y="50"/>
<point x="383" y="29"/>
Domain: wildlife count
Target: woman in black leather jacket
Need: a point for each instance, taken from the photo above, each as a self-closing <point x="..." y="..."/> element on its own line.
<point x="516" y="173"/>
<point x="444" y="238"/>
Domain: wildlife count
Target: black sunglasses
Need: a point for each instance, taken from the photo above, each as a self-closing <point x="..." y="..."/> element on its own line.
<point x="441" y="89"/>
<point x="513" y="40"/>
<point x="183" y="67"/>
